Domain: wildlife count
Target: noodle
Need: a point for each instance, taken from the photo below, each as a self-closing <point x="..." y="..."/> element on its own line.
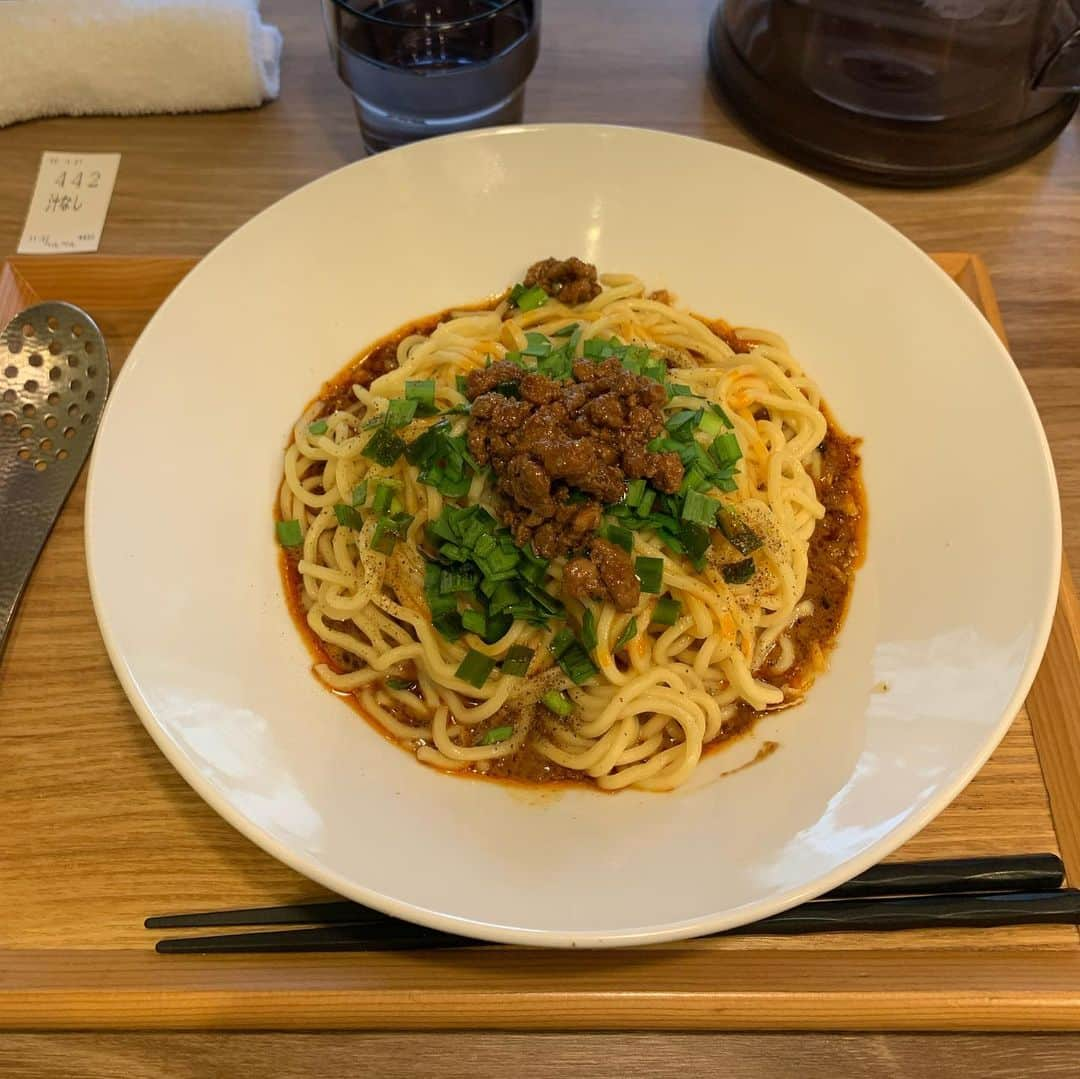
<point x="646" y="717"/>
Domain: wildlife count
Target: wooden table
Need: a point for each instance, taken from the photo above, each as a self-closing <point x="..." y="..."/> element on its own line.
<point x="186" y="182"/>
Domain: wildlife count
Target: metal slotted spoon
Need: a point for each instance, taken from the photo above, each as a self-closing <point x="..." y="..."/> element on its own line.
<point x="54" y="377"/>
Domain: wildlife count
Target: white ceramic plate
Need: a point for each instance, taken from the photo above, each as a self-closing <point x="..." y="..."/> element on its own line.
<point x="951" y="610"/>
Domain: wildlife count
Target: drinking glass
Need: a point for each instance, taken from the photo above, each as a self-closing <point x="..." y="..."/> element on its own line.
<point x="417" y="68"/>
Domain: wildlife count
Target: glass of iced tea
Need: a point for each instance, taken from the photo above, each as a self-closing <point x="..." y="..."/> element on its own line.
<point x="417" y="68"/>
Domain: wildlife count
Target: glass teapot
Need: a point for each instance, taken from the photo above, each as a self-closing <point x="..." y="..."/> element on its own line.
<point x="910" y="92"/>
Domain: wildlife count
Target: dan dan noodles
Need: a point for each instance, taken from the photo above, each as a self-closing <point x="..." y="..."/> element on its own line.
<point x="577" y="534"/>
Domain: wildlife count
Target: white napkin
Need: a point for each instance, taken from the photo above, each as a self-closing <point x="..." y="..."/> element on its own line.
<point x="74" y="57"/>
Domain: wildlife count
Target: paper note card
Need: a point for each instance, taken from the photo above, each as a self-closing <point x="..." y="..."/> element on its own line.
<point x="70" y="201"/>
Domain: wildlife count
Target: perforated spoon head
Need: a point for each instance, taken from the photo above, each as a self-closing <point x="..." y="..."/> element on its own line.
<point x="54" y="378"/>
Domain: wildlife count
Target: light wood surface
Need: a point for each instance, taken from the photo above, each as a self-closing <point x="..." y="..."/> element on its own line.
<point x="668" y="987"/>
<point x="535" y="1056"/>
<point x="184" y="183"/>
<point x="1055" y="694"/>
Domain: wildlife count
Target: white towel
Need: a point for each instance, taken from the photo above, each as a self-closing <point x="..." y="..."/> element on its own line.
<point x="75" y="57"/>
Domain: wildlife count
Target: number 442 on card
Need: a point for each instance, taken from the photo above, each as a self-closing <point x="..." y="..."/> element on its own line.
<point x="70" y="201"/>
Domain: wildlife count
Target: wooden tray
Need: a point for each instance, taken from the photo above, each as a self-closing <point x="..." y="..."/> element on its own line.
<point x="98" y="831"/>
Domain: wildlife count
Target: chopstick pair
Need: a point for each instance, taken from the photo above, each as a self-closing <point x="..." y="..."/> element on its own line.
<point x="972" y="892"/>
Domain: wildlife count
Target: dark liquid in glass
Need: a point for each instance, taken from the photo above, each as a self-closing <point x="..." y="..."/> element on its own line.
<point x="427" y="67"/>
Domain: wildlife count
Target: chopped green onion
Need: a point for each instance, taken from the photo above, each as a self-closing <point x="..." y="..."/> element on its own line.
<point x="671" y="541"/>
<point x="737" y="532"/>
<point x="425" y="447"/>
<point x="517" y="661"/>
<point x="628" y="634"/>
<point x="694" y="480"/>
<point x="317" y="428"/>
<point x="384" y="447"/>
<point x="475" y="668"/>
<point x="516" y="291"/>
<point x="448" y="625"/>
<point x="683" y="423"/>
<point x="717" y="410"/>
<point x="700" y="508"/>
<point x="535" y="568"/>
<point x="388" y="531"/>
<point x="678" y="389"/>
<point x="646" y="504"/>
<point x="399" y="683"/>
<point x="289" y="533"/>
<point x="438" y="603"/>
<point x="422" y="391"/>
<point x="359" y="493"/>
<point x="656" y="371"/>
<point x="462" y="384"/>
<point x="665" y="445"/>
<point x="711" y="423"/>
<point x="383" y="540"/>
<point x="505" y="595"/>
<point x="384" y="495"/>
<point x="494" y="561"/>
<point x="650" y="571"/>
<point x="496" y="734"/>
<point x="537" y="345"/>
<point x="621" y="537"/>
<point x="588" y="630"/>
<point x="474" y="622"/>
<point x="531" y="299"/>
<point x="348" y="516"/>
<point x="558" y="365"/>
<point x="594" y="348"/>
<point x="695" y="538"/>
<point x="576" y="664"/>
<point x="635" y="490"/>
<point x="739" y="572"/>
<point x="547" y="603"/>
<point x="572" y="658"/>
<point x="497" y="627"/>
<point x="565" y="331"/>
<point x="558" y="703"/>
<point x="561" y="642"/>
<point x="400" y="413"/>
<point x="457" y="580"/>
<point x="725" y="449"/>
<point x="666" y="611"/>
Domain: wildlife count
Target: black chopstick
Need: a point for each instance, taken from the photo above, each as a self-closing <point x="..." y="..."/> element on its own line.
<point x="925" y="912"/>
<point x="844" y="915"/>
<point x="1012" y="873"/>
<point x="400" y="936"/>
<point x="972" y="892"/>
<point x="1008" y="873"/>
<point x="337" y="912"/>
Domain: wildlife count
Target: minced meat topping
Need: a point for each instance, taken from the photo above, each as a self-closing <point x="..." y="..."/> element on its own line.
<point x="560" y="451"/>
